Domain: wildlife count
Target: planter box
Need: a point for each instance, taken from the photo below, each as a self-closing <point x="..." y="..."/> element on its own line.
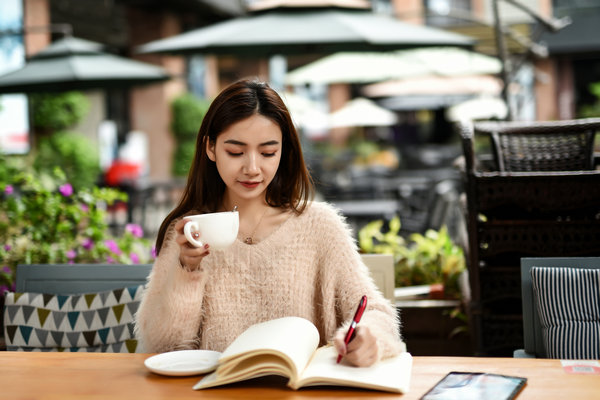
<point x="427" y="328"/>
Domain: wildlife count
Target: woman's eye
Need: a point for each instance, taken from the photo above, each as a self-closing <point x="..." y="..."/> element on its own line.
<point x="232" y="154"/>
<point x="269" y="154"/>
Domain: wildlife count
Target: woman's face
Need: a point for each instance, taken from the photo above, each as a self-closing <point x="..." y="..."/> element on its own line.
<point x="247" y="156"/>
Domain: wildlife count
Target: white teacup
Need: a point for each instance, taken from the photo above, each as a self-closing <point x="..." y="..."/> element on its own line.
<point x="219" y="229"/>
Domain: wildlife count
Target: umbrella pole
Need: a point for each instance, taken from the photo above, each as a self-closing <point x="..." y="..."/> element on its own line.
<point x="503" y="55"/>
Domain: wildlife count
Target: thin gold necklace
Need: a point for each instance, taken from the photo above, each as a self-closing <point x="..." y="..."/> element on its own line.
<point x="249" y="239"/>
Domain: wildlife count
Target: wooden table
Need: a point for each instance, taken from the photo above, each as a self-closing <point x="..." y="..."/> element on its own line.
<point x="84" y="376"/>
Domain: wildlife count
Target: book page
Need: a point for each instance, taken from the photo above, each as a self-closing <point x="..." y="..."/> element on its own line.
<point x="281" y="346"/>
<point x="295" y="337"/>
<point x="391" y="375"/>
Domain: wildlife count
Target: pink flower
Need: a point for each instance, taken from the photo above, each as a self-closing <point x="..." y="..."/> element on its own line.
<point x="7" y="288"/>
<point x="110" y="260"/>
<point x="71" y="254"/>
<point x="8" y="189"/>
<point x="87" y="244"/>
<point x="6" y="269"/>
<point x="134" y="258"/>
<point x="153" y="251"/>
<point x="7" y="247"/>
<point x="135" y="230"/>
<point x="66" y="189"/>
<point x="112" y="246"/>
<point x="84" y="207"/>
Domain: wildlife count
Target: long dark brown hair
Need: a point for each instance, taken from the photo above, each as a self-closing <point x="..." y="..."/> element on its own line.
<point x="291" y="187"/>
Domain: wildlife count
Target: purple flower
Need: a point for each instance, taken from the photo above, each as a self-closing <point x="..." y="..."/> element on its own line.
<point x="87" y="244"/>
<point x="8" y="189"/>
<point x="7" y="288"/>
<point x="71" y="254"/>
<point x="112" y="246"/>
<point x="66" y="189"/>
<point x="7" y="247"/>
<point x="84" y="207"/>
<point x="134" y="258"/>
<point x="6" y="269"/>
<point x="135" y="230"/>
<point x="153" y="251"/>
<point x="110" y="260"/>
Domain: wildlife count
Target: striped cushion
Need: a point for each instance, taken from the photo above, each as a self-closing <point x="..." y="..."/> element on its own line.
<point x="90" y="322"/>
<point x="568" y="303"/>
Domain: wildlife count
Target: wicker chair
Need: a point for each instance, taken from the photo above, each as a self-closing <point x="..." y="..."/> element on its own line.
<point x="542" y="146"/>
<point x="549" y="211"/>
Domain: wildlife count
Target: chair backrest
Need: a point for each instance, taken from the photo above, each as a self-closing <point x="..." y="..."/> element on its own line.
<point x="74" y="307"/>
<point x="78" y="278"/>
<point x="542" y="145"/>
<point x="532" y="327"/>
<point x="381" y="267"/>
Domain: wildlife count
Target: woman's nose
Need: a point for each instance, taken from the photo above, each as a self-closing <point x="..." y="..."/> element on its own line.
<point x="251" y="164"/>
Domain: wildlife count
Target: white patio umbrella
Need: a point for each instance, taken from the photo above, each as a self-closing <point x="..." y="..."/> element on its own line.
<point x="480" y="108"/>
<point x="307" y="115"/>
<point x="371" y="67"/>
<point x="436" y="85"/>
<point x="361" y="112"/>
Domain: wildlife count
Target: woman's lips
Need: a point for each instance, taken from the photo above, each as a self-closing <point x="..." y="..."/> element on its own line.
<point x="250" y="185"/>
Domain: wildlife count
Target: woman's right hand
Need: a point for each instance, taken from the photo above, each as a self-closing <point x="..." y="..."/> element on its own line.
<point x="190" y="256"/>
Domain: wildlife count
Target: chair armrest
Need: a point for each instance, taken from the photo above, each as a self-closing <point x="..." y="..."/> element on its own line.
<point x="521" y="353"/>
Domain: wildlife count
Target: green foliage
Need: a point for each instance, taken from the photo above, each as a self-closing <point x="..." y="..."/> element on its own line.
<point x="184" y="152"/>
<point x="71" y="152"/>
<point x="591" y="110"/>
<point x="46" y="221"/>
<point x="58" y="111"/>
<point x="187" y="114"/>
<point x="424" y="259"/>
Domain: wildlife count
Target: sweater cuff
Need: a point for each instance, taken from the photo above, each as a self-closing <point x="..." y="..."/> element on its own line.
<point x="188" y="270"/>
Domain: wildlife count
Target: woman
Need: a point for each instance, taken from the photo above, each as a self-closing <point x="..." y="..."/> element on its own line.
<point x="293" y="256"/>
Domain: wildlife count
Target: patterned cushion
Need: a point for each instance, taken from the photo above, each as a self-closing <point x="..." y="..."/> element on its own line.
<point x="568" y="303"/>
<point x="91" y="322"/>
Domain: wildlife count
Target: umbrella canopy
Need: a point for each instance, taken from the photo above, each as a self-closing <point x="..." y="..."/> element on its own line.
<point x="292" y="30"/>
<point x="375" y="67"/>
<point x="362" y="112"/>
<point x="77" y="64"/>
<point x="477" y="109"/>
<point x="436" y="85"/>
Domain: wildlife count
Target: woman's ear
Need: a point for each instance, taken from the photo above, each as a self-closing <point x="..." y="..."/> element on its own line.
<point x="210" y="150"/>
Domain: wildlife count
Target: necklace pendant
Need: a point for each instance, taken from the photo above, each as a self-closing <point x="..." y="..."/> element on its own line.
<point x="248" y="240"/>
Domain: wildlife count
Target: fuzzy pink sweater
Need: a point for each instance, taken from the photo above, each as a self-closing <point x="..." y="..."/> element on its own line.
<point x="308" y="267"/>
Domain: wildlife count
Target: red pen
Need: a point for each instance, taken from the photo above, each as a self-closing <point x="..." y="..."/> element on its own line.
<point x="357" y="316"/>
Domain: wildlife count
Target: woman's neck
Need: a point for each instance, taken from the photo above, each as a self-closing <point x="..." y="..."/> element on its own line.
<point x="244" y="206"/>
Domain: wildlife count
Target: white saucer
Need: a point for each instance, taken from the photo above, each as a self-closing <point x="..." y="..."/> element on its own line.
<point x="184" y="362"/>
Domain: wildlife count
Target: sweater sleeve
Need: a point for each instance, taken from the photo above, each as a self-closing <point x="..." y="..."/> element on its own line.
<point x="170" y="313"/>
<point x="349" y="278"/>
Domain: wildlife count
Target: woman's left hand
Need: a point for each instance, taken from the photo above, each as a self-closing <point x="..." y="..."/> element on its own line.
<point x="362" y="351"/>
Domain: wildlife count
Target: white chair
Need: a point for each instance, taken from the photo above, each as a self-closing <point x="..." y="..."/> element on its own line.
<point x="381" y="267"/>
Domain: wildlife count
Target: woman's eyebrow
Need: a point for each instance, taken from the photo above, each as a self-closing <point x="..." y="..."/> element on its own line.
<point x="238" y="143"/>
<point x="270" y="143"/>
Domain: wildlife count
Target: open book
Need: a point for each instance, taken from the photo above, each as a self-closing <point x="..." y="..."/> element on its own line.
<point x="288" y="347"/>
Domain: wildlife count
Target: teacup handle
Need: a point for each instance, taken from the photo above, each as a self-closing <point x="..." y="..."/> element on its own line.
<point x="187" y="230"/>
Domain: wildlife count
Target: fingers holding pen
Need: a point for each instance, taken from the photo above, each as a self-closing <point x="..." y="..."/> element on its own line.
<point x="362" y="350"/>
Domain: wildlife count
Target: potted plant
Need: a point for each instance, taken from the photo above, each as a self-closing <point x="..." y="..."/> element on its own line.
<point x="432" y="269"/>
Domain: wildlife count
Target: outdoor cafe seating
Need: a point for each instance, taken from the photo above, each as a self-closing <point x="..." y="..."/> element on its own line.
<point x="536" y="193"/>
